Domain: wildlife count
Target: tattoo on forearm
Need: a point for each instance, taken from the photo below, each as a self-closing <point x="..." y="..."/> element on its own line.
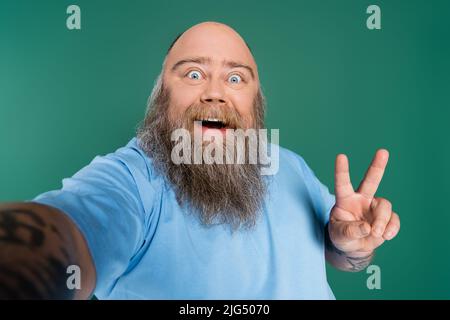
<point x="10" y="227"/>
<point x="38" y="273"/>
<point x="359" y="263"/>
<point x="355" y="263"/>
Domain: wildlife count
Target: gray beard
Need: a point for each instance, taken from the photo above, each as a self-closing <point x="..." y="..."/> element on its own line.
<point x="231" y="194"/>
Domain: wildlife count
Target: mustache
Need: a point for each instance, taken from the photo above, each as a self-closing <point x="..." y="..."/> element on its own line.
<point x="228" y="116"/>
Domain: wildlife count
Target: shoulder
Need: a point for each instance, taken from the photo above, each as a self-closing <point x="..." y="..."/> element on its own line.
<point x="131" y="158"/>
<point x="296" y="175"/>
<point x="295" y="172"/>
<point x="292" y="162"/>
<point x="125" y="173"/>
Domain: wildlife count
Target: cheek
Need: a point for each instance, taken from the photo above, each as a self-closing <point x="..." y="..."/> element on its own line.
<point x="181" y="97"/>
<point x="244" y="105"/>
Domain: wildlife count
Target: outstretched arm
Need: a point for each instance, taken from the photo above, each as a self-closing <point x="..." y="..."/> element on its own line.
<point x="37" y="245"/>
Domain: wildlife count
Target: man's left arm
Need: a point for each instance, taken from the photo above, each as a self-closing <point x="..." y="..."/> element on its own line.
<point x="359" y="222"/>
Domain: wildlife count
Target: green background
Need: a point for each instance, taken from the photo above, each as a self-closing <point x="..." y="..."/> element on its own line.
<point x="332" y="86"/>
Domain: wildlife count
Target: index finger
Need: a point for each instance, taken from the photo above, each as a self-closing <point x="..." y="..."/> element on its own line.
<point x="342" y="183"/>
<point x="374" y="174"/>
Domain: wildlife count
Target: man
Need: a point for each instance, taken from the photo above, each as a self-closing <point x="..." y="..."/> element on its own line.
<point x="140" y="226"/>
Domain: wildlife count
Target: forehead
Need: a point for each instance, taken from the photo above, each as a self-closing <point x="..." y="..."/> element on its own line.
<point x="217" y="42"/>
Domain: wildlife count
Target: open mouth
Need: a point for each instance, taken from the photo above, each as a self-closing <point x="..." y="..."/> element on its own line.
<point x="212" y="123"/>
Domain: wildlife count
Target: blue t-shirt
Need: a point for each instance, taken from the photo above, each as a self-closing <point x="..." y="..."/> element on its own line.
<point x="145" y="246"/>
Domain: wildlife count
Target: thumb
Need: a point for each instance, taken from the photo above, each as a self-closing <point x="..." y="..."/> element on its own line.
<point x="342" y="231"/>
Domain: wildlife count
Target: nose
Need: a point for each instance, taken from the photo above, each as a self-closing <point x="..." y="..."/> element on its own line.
<point x="214" y="93"/>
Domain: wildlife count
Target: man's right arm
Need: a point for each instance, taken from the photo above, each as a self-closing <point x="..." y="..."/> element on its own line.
<point x="37" y="245"/>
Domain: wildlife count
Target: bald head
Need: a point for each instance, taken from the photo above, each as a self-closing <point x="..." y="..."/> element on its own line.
<point x="211" y="65"/>
<point x="209" y="35"/>
<point x="179" y="35"/>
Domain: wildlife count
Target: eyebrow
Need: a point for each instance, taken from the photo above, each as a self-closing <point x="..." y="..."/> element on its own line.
<point x="206" y="60"/>
<point x="233" y="64"/>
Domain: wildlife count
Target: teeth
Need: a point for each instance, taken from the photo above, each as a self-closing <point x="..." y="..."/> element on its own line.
<point x="212" y="120"/>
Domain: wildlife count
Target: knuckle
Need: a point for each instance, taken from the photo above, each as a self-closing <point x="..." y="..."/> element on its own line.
<point x="347" y="231"/>
<point x="386" y="203"/>
<point x="382" y="217"/>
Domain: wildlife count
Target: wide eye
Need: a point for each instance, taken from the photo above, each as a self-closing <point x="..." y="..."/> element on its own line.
<point x="234" y="79"/>
<point x="194" y="75"/>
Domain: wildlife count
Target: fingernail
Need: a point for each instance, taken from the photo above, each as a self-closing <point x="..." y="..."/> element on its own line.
<point x="388" y="235"/>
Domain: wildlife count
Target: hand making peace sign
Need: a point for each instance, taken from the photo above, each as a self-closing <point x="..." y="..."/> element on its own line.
<point x="360" y="222"/>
